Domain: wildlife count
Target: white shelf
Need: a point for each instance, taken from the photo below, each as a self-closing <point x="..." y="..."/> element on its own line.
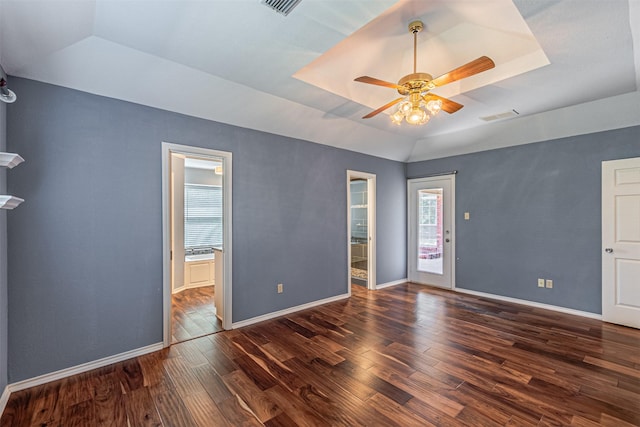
<point x="9" y="160"/>
<point x="9" y="202"/>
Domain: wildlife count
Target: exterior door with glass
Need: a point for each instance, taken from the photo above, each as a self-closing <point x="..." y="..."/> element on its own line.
<point x="431" y="230"/>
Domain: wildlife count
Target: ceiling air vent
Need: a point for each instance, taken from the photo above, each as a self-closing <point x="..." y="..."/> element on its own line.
<point x="281" y="6"/>
<point x="506" y="115"/>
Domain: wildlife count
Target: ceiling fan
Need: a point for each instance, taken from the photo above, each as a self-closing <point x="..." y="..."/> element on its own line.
<point x="417" y="103"/>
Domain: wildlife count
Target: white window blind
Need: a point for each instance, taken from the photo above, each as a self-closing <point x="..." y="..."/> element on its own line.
<point x="202" y="216"/>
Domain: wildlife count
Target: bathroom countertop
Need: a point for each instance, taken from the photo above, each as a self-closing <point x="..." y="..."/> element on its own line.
<point x="200" y="257"/>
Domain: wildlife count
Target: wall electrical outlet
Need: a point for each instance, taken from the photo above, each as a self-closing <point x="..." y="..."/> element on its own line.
<point x="549" y="283"/>
<point x="280" y="288"/>
<point x="541" y="283"/>
<point x="466" y="216"/>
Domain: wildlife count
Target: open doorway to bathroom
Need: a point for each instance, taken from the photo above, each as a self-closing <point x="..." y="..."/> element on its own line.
<point x="196" y="223"/>
<point x="196" y="237"/>
<point x="361" y="228"/>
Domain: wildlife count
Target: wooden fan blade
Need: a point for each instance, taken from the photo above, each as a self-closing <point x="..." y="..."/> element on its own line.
<point x="447" y="105"/>
<point x="381" y="109"/>
<point x="372" y="81"/>
<point x="476" y="66"/>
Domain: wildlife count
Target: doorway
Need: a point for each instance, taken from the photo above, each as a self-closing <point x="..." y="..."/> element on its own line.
<point x="361" y="230"/>
<point x="621" y="242"/>
<point x="196" y="224"/>
<point x="431" y="229"/>
<point x="196" y="242"/>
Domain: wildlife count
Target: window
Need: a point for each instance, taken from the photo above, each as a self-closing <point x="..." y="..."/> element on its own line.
<point x="202" y="216"/>
<point x="428" y="204"/>
<point x="428" y="209"/>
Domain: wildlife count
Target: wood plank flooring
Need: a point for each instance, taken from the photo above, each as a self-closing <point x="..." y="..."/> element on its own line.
<point x="193" y="314"/>
<point x="407" y="356"/>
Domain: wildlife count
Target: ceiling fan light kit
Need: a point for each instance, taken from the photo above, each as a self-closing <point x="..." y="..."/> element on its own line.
<point x="417" y="104"/>
<point x="415" y="110"/>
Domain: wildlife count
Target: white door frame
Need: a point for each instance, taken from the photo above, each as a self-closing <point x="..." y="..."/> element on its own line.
<point x="167" y="150"/>
<point x="411" y="232"/>
<point x="371" y="228"/>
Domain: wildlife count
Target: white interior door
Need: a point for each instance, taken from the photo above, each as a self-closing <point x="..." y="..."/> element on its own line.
<point x="621" y="242"/>
<point x="177" y="221"/>
<point x="431" y="230"/>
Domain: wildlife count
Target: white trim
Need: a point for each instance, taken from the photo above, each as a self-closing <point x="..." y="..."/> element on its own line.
<point x="394" y="283"/>
<point x="453" y="230"/>
<point x="74" y="370"/>
<point x="532" y="304"/>
<point x="227" y="157"/>
<point x="371" y="229"/>
<point x="4" y="399"/>
<point x="286" y="311"/>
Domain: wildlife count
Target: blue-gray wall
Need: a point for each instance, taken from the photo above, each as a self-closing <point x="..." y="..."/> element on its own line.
<point x="3" y="259"/>
<point x="535" y="212"/>
<point x="85" y="264"/>
<point x="84" y="250"/>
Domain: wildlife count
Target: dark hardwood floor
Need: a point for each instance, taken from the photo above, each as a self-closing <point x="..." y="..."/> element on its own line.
<point x="407" y="356"/>
<point x="193" y="314"/>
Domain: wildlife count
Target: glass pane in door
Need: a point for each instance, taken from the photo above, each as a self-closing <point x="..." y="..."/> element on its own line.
<point x="359" y="231"/>
<point x="430" y="249"/>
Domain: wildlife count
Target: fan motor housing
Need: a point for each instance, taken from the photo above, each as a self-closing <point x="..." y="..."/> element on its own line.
<point x="415" y="82"/>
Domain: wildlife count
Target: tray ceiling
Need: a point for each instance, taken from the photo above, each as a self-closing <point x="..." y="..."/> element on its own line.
<point x="567" y="67"/>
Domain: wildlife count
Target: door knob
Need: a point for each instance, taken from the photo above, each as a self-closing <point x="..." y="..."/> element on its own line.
<point x="446" y="240"/>
<point x="609" y="250"/>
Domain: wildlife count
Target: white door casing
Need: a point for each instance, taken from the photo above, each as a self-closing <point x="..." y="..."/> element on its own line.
<point x="621" y="242"/>
<point x="421" y="268"/>
<point x="227" y="279"/>
<point x="371" y="221"/>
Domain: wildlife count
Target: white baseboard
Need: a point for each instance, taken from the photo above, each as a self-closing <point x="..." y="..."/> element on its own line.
<point x="4" y="399"/>
<point x="394" y="283"/>
<point x="63" y="373"/>
<point x="532" y="304"/>
<point x="286" y="311"/>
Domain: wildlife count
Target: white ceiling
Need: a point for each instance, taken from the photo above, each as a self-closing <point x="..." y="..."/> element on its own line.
<point x="567" y="66"/>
